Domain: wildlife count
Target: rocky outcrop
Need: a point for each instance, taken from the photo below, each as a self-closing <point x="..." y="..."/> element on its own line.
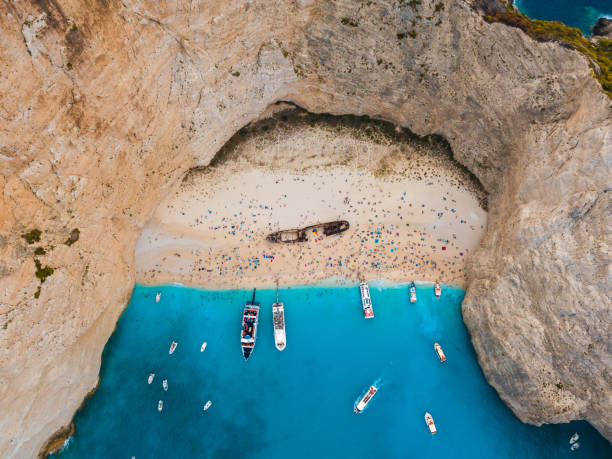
<point x="603" y="28"/>
<point x="106" y="104"/>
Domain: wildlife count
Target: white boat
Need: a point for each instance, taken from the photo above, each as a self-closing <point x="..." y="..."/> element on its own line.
<point x="440" y="352"/>
<point x="278" y="319"/>
<point x="574" y="438"/>
<point x="430" y="423"/>
<point x="151" y="376"/>
<point x="158" y="297"/>
<point x="437" y="290"/>
<point x="172" y="347"/>
<point x="207" y="405"/>
<point x="165" y="384"/>
<point x="160" y="405"/>
<point x="413" y="297"/>
<point x="575" y="446"/>
<point x="366" y="301"/>
<point x="203" y="346"/>
<point x="360" y="406"/>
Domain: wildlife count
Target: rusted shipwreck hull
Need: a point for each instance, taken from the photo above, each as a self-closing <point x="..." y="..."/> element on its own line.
<point x="301" y="235"/>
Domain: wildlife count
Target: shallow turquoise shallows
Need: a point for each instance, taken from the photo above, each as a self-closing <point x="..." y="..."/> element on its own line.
<point x="299" y="403"/>
<point x="576" y="13"/>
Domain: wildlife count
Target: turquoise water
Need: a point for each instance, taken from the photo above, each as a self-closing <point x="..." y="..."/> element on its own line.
<point x="299" y="403"/>
<point x="576" y="13"/>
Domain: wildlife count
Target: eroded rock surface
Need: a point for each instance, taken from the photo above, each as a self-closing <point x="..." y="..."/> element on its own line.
<point x="106" y="104"/>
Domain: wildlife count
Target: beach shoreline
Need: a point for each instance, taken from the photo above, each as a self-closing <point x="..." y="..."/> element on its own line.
<point x="381" y="283"/>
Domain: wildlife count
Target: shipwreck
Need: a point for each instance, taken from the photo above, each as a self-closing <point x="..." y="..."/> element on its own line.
<point x="301" y="235"/>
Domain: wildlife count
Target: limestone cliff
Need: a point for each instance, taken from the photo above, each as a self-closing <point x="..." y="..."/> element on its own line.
<point x="106" y="104"/>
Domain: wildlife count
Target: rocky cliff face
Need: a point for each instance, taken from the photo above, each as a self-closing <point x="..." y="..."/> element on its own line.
<point x="106" y="104"/>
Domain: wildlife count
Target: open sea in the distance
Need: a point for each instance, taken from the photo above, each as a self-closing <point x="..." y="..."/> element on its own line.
<point x="576" y="13"/>
<point x="299" y="403"/>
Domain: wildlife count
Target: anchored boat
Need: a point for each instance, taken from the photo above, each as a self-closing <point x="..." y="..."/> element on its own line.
<point x="160" y="405"/>
<point x="366" y="301"/>
<point x="413" y="298"/>
<point x="207" y="405"/>
<point x="250" y="319"/>
<point x="278" y="317"/>
<point x="158" y="297"/>
<point x="151" y="376"/>
<point x="430" y="423"/>
<point x="172" y="347"/>
<point x="437" y="290"/>
<point x="440" y="353"/>
<point x="165" y="384"/>
<point x="360" y="406"/>
<point x="574" y="438"/>
<point x="203" y="346"/>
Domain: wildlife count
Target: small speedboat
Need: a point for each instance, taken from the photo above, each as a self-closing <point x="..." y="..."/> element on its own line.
<point x="437" y="290"/>
<point x="151" y="376"/>
<point x="430" y="423"/>
<point x="165" y="384"/>
<point x="158" y="297"/>
<point x="160" y="405"/>
<point x="360" y="406"/>
<point x="203" y="346"/>
<point x="575" y="446"/>
<point x="574" y="438"/>
<point x="413" y="297"/>
<point x="172" y="347"/>
<point x="440" y="352"/>
<point x="207" y="405"/>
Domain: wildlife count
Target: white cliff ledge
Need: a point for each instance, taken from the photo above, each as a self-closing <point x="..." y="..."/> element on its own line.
<point x="105" y="105"/>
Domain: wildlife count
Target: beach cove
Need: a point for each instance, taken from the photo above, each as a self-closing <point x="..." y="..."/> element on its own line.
<point x="413" y="213"/>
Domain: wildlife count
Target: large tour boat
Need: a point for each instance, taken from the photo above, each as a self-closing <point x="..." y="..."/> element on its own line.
<point x="360" y="406"/>
<point x="437" y="290"/>
<point x="366" y="301"/>
<point x="413" y="297"/>
<point x="278" y="316"/>
<point x="250" y="319"/>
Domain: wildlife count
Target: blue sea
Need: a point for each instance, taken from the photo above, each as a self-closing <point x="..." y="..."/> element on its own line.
<point x="576" y="13"/>
<point x="299" y="403"/>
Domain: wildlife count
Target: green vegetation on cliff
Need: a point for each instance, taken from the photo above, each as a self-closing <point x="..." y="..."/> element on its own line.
<point x="32" y="236"/>
<point x="599" y="53"/>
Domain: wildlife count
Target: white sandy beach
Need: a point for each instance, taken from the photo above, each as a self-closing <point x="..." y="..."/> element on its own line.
<point x="211" y="232"/>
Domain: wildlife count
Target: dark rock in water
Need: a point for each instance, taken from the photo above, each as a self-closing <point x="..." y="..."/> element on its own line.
<point x="603" y="28"/>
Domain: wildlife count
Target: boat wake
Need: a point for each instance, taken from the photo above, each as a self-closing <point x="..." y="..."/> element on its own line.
<point x="378" y="383"/>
